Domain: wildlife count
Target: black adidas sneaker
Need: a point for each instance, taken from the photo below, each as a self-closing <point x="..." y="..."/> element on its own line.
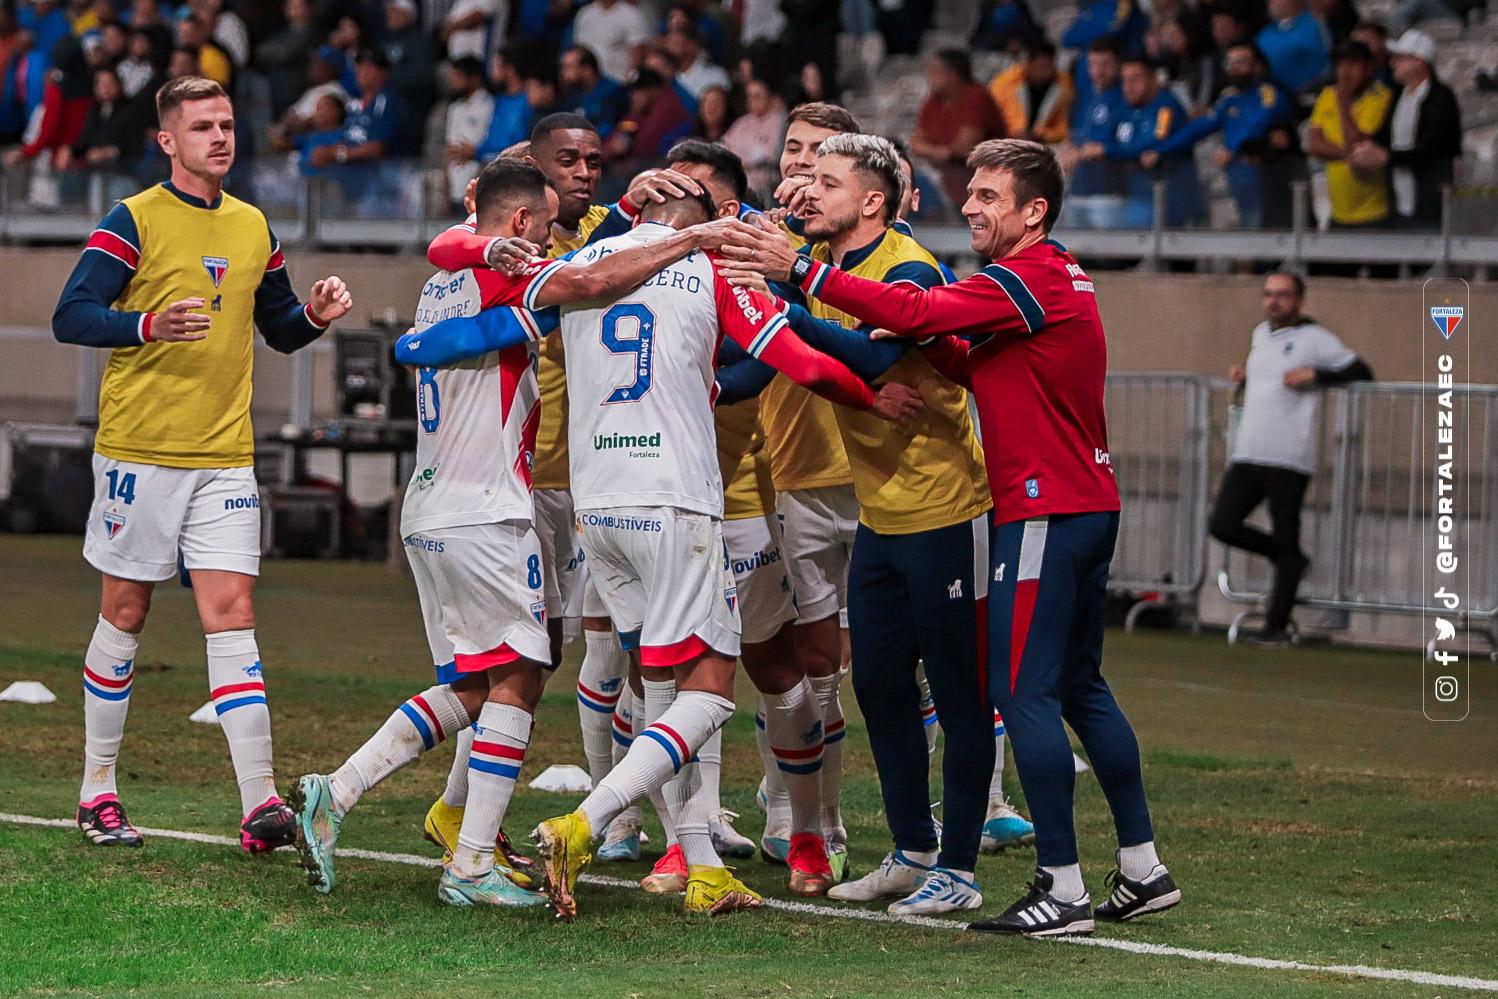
<point x="1041" y="914"/>
<point x="1128" y="898"/>
<point x="105" y="824"/>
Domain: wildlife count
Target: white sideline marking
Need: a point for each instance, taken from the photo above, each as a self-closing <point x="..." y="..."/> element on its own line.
<point x="868" y="915"/>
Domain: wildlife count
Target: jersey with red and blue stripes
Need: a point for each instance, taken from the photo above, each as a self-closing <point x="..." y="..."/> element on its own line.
<point x="1025" y="336"/>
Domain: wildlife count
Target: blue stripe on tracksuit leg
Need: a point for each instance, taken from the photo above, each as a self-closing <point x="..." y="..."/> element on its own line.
<point x="916" y="597"/>
<point x="1047" y="597"/>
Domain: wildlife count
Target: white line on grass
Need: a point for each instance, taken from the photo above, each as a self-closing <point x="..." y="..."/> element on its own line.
<point x="868" y="915"/>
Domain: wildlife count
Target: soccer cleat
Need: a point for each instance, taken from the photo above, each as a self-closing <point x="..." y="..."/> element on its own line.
<point x="1128" y="899"/>
<point x="491" y="889"/>
<point x="441" y="827"/>
<point x="895" y="877"/>
<point x="775" y="844"/>
<point x="566" y="849"/>
<point x="762" y="796"/>
<point x="268" y="827"/>
<point x="727" y="840"/>
<point x="1005" y="827"/>
<point x="837" y="859"/>
<point x="942" y="891"/>
<point x="622" y="841"/>
<point x="669" y="875"/>
<point x="1041" y="914"/>
<point x="317" y="827"/>
<point x="715" y="891"/>
<point x="811" y="873"/>
<point x="104" y="823"/>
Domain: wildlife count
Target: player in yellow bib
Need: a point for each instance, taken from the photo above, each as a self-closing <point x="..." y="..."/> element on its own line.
<point x="174" y="282"/>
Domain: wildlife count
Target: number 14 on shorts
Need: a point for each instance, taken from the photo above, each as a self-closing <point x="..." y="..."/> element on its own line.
<point x="121" y="486"/>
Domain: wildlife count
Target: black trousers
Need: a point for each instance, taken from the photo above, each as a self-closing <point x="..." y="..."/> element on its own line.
<point x="1245" y="486"/>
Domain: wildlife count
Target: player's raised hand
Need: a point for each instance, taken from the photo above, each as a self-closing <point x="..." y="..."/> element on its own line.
<point x="661" y="186"/>
<point x="179" y="323"/>
<point x="762" y="249"/>
<point x="898" y="403"/>
<point x="716" y="234"/>
<point x="510" y="254"/>
<point x="791" y="190"/>
<point x="330" y="299"/>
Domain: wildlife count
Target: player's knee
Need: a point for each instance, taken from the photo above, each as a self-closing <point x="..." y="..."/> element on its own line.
<point x="1220" y="526"/>
<point x="129" y="617"/>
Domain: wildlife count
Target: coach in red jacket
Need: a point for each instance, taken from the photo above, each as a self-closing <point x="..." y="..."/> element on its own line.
<point x="1024" y="335"/>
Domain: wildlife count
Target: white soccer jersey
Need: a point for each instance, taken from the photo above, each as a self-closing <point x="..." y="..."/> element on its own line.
<point x="1279" y="424"/>
<point x="640" y="382"/>
<point x="477" y="420"/>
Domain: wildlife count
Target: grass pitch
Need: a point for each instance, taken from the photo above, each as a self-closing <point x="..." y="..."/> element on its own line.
<point x="1308" y="810"/>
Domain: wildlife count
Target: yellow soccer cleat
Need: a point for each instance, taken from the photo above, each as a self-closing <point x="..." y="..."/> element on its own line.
<point x="566" y="850"/>
<point x="715" y="891"/>
<point x="441" y="828"/>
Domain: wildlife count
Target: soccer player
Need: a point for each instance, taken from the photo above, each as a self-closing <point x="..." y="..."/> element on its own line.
<point x="174" y="282"/>
<point x="819" y="513"/>
<point x="467" y="529"/>
<point x="566" y="148"/>
<point x="1024" y="332"/>
<point x="649" y="503"/>
<point x="917" y="582"/>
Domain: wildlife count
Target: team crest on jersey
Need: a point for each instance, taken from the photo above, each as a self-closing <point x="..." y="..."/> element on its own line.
<point x="538" y="611"/>
<point x="216" y="267"/>
<point x="113" y="523"/>
<point x="1447" y="318"/>
<point x="1032" y="488"/>
<point x="731" y="597"/>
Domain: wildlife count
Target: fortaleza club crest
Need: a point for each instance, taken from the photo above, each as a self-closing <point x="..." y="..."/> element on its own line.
<point x="216" y="267"/>
<point x="112" y="523"/>
<point x="1447" y="318"/>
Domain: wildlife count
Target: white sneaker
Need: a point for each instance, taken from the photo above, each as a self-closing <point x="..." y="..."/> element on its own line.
<point x="896" y="877"/>
<point x="942" y="892"/>
<point x="726" y="839"/>
<point x="622" y="842"/>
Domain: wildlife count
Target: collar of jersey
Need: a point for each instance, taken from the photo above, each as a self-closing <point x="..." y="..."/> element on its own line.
<point x="853" y="258"/>
<point x="189" y="199"/>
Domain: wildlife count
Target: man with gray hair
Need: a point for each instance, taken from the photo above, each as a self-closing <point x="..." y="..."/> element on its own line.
<point x="917" y="579"/>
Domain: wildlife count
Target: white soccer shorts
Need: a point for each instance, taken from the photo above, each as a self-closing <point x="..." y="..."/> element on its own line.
<point x="144" y="515"/>
<point x="818" y="526"/>
<point x="483" y="597"/>
<point x="561" y="554"/>
<point x="663" y="574"/>
<point x="766" y="598"/>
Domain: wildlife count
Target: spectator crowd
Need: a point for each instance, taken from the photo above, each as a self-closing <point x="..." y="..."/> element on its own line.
<point x="365" y="93"/>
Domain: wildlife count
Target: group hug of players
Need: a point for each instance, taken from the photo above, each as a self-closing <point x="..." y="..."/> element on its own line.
<point x="656" y="418"/>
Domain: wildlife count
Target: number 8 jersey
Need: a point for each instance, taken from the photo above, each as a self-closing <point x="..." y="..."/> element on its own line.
<point x="476" y="420"/>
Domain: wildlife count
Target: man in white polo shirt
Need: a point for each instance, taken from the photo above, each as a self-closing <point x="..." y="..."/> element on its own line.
<point x="1290" y="359"/>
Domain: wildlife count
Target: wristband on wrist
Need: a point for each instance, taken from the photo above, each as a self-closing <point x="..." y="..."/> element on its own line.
<point x="145" y="328"/>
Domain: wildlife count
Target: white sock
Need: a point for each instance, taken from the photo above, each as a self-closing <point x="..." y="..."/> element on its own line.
<point x="1067" y="886"/>
<point x="108" y="676"/>
<point x="455" y="795"/>
<point x="928" y="714"/>
<point x="499" y="745"/>
<point x="996" y="783"/>
<point x="413" y="728"/>
<point x="777" y="795"/>
<point x="237" y="688"/>
<point x="623" y="738"/>
<point x="599" y="685"/>
<point x="1137" y="863"/>
<point x="793" y="729"/>
<point x="825" y="689"/>
<point x="692" y="799"/>
<point x="657" y="800"/>
<point x="658" y="753"/>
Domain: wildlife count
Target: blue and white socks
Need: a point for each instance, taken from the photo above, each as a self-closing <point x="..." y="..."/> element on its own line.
<point x="499" y="744"/>
<point x="108" y="676"/>
<point x="416" y="726"/>
<point x="237" y="689"/>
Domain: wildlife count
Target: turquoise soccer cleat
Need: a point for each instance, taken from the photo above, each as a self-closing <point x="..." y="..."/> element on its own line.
<point x="491" y="889"/>
<point x="1005" y="827"/>
<point x="317" y="827"/>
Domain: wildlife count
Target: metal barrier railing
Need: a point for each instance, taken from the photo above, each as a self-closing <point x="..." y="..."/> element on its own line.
<point x="1368" y="513"/>
<point x="1158" y="443"/>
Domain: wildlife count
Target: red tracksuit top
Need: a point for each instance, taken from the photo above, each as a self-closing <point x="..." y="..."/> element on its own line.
<point x="1024" y="335"/>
